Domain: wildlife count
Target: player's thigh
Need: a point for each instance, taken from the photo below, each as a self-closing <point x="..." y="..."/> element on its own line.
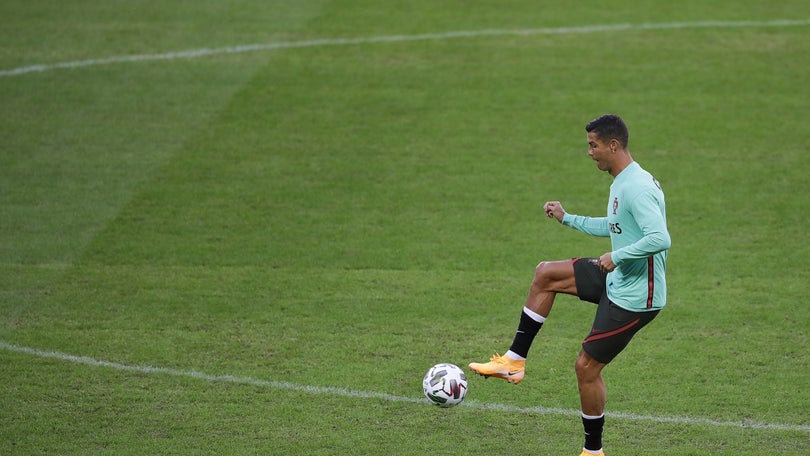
<point x="556" y="276"/>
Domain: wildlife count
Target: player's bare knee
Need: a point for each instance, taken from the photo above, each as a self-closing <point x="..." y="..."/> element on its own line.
<point x="541" y="274"/>
<point x="585" y="368"/>
<point x="579" y="366"/>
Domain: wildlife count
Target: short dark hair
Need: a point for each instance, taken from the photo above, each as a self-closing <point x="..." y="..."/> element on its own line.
<point x="609" y="126"/>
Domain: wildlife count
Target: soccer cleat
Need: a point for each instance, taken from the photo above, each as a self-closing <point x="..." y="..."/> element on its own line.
<point x="502" y="367"/>
<point x="588" y="453"/>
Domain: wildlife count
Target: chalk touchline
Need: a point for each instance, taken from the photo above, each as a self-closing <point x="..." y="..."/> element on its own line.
<point x="345" y="392"/>
<point x="205" y="52"/>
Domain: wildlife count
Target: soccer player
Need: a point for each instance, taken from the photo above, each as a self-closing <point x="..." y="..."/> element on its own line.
<point x="627" y="284"/>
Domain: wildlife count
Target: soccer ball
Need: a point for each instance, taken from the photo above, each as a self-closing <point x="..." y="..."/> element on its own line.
<point x="445" y="385"/>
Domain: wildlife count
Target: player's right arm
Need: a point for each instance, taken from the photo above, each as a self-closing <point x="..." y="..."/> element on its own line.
<point x="595" y="226"/>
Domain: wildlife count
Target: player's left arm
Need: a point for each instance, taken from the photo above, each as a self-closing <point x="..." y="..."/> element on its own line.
<point x="652" y="222"/>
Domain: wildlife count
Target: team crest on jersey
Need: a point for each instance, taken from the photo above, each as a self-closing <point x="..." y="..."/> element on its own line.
<point x="615" y="205"/>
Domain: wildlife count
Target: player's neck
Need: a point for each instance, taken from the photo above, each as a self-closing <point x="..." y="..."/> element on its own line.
<point x="622" y="161"/>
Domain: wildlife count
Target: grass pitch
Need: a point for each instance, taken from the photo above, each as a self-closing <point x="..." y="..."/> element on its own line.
<point x="261" y="252"/>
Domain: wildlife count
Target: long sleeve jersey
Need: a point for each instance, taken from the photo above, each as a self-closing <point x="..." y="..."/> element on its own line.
<point x="636" y="223"/>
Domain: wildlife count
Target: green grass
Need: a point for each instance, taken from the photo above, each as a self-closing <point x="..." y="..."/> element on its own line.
<point x="348" y="215"/>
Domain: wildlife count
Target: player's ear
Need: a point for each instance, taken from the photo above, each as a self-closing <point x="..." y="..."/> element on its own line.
<point x="614" y="145"/>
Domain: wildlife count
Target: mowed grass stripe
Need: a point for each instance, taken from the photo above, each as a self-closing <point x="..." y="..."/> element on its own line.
<point x="346" y="392"/>
<point x="256" y="47"/>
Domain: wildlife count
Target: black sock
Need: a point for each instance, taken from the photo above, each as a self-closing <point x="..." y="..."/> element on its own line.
<point x="593" y="432"/>
<point x="527" y="330"/>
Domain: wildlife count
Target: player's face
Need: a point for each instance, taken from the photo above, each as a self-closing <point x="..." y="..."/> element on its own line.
<point x="600" y="152"/>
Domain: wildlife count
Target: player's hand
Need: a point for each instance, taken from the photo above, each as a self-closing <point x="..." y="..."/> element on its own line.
<point x="554" y="209"/>
<point x="605" y="262"/>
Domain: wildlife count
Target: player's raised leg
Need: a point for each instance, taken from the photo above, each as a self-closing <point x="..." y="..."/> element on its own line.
<point x="550" y="278"/>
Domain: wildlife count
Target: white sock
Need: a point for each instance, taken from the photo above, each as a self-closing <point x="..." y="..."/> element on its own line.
<point x="512" y="355"/>
<point x="534" y="315"/>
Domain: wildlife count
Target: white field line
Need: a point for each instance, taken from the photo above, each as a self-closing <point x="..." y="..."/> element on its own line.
<point x="345" y="392"/>
<point x="205" y="52"/>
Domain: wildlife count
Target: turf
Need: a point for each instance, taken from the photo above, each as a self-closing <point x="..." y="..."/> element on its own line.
<point x="292" y="237"/>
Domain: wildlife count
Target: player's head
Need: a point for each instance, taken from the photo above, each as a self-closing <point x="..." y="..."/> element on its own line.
<point x="608" y="127"/>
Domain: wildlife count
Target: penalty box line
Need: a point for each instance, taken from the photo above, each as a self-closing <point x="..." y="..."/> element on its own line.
<point x="345" y="392"/>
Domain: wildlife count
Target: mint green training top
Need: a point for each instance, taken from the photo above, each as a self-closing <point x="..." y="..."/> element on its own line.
<point x="637" y="225"/>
